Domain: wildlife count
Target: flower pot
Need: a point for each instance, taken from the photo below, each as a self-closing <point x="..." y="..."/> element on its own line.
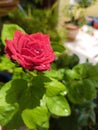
<point x="95" y="25"/>
<point x="7" y="5"/>
<point x="72" y="31"/>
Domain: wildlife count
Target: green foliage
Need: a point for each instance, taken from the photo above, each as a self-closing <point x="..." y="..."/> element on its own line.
<point x="80" y="76"/>
<point x="64" y="93"/>
<point x="8" y="31"/>
<point x="86" y="3"/>
<point x="67" y="61"/>
<point x="6" y="64"/>
<point x="81" y="117"/>
<point x="30" y="100"/>
<point x="54" y="87"/>
<point x="57" y="74"/>
<point x="58" y="106"/>
<point x="58" y="48"/>
<point x="79" y="94"/>
<point x="33" y="20"/>
<point x="37" y="1"/>
<point x="9" y="98"/>
<point x="36" y="117"/>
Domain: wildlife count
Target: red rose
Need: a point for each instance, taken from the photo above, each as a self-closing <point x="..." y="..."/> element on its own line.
<point x="30" y="51"/>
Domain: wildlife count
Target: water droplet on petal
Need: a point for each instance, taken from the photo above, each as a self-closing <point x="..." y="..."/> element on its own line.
<point x="43" y="65"/>
<point x="37" y="51"/>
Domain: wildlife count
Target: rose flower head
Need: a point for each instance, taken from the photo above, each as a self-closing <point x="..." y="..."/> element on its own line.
<point x="32" y="51"/>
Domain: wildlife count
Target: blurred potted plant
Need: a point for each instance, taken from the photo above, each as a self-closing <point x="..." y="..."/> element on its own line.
<point x="76" y="15"/>
<point x="7" y="5"/>
<point x="72" y="31"/>
<point x="72" y="24"/>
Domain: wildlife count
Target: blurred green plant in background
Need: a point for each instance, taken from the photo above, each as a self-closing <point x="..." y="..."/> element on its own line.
<point x="32" y="18"/>
<point x="85" y="3"/>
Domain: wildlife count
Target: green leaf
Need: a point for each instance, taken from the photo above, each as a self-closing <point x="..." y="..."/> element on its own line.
<point x="55" y="87"/>
<point x="8" y="31"/>
<point x="1" y="84"/>
<point x="10" y="94"/>
<point x="6" y="112"/>
<point x="67" y="61"/>
<point x="37" y="88"/>
<point x="6" y="64"/>
<point x="58" y="48"/>
<point x="87" y="70"/>
<point x="82" y="82"/>
<point x="58" y="106"/>
<point x="19" y="73"/>
<point x="36" y="117"/>
<point x="81" y="91"/>
<point x="58" y="74"/>
<point x="92" y="70"/>
<point x="15" y="122"/>
<point x="72" y="74"/>
<point x="82" y="70"/>
<point x="29" y="98"/>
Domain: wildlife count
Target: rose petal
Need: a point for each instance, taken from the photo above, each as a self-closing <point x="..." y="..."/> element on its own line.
<point x="8" y="52"/>
<point x="47" y="39"/>
<point x="22" y="42"/>
<point x="43" y="67"/>
<point x="27" y="52"/>
<point x="24" y="63"/>
<point x="17" y="36"/>
<point x="36" y="36"/>
<point x="10" y="46"/>
<point x="38" y="59"/>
